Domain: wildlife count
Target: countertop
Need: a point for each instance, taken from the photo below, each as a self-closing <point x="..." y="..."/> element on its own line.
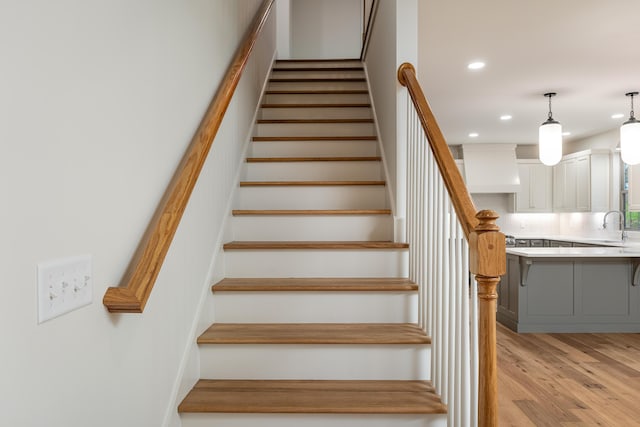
<point x="603" y="241"/>
<point x="588" y="252"/>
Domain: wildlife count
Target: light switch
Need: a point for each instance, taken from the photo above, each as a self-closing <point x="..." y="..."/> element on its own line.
<point x="63" y="286"/>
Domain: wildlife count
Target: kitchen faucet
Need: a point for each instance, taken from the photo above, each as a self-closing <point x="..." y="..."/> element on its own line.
<point x="622" y="224"/>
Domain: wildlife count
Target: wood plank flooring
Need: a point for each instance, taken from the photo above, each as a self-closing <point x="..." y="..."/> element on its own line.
<point x="568" y="379"/>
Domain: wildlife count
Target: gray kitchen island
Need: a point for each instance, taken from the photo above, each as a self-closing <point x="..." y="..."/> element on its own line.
<point x="578" y="289"/>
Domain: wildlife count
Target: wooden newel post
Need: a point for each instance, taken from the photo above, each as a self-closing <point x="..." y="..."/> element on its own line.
<point x="487" y="259"/>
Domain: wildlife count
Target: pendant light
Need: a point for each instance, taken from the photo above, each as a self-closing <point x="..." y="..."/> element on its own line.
<point x="630" y="137"/>
<point x="550" y="138"/>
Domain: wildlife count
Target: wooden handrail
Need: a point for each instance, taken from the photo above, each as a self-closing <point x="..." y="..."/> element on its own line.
<point x="145" y="265"/>
<point x="487" y="248"/>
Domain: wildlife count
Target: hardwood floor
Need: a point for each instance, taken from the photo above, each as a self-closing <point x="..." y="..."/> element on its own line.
<point x="568" y="379"/>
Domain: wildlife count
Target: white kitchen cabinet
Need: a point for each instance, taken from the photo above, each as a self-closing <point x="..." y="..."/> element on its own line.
<point x="633" y="194"/>
<point x="535" y="190"/>
<point x="565" y="177"/>
<point x="581" y="182"/>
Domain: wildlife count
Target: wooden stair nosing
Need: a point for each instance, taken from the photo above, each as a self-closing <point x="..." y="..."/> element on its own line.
<point x="312" y="159"/>
<point x="332" y="69"/>
<point x="318" y="92"/>
<point x="318" y="80"/>
<point x="318" y="60"/>
<point x="313" y="245"/>
<point x="242" y="212"/>
<point x="311" y="121"/>
<point x="317" y="284"/>
<point x="315" y="333"/>
<point x="313" y="397"/>
<point x="311" y="183"/>
<point x="272" y="105"/>
<point x="314" y="138"/>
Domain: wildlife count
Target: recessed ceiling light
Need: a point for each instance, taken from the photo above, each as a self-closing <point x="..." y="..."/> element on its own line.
<point x="566" y="133"/>
<point x="474" y="135"/>
<point x="477" y="65"/>
<point x="617" y="116"/>
<point x="506" y="117"/>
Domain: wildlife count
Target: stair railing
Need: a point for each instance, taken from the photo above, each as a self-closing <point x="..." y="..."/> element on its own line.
<point x="448" y="238"/>
<point x="132" y="295"/>
<point x="368" y="17"/>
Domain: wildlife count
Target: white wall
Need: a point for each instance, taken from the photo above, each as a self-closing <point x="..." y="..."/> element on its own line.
<point x="98" y="102"/>
<point x="393" y="40"/>
<point x="326" y="29"/>
<point x="284" y="28"/>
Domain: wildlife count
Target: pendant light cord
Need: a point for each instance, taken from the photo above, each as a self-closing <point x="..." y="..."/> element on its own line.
<point x="632" y="115"/>
<point x="550" y="95"/>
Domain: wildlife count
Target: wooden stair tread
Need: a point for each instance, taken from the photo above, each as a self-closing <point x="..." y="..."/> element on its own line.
<point x="317" y="92"/>
<point x="312" y="159"/>
<point x="321" y="60"/>
<point x="311" y="121"/>
<point x="307" y="183"/>
<point x="317" y="68"/>
<point x="316" y="105"/>
<point x="308" y="396"/>
<point x="317" y="284"/>
<point x="238" y="212"/>
<point x="314" y="333"/>
<point x="317" y="79"/>
<point x="315" y="138"/>
<point x="321" y="245"/>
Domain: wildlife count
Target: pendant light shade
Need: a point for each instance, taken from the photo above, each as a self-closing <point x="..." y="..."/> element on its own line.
<point x="630" y="137"/>
<point x="550" y="138"/>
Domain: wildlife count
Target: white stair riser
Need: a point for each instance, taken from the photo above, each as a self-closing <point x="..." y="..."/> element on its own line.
<point x="311" y="85"/>
<point x="318" y="74"/>
<point x="290" y="98"/>
<point x="316" y="263"/>
<point x="312" y="227"/>
<point x="316" y="113"/>
<point x="318" y="64"/>
<point x="315" y="361"/>
<point x="315" y="129"/>
<point x="312" y="420"/>
<point x="313" y="148"/>
<point x="313" y="171"/>
<point x="321" y="197"/>
<point x="316" y="307"/>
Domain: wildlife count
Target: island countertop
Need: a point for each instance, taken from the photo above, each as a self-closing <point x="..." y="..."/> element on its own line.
<point x="580" y="252"/>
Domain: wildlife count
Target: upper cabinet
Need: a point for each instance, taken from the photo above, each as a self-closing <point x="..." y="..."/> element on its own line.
<point x="633" y="178"/>
<point x="535" y="190"/>
<point x="581" y="182"/>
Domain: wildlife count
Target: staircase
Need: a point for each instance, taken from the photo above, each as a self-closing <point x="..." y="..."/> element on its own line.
<point x="315" y="321"/>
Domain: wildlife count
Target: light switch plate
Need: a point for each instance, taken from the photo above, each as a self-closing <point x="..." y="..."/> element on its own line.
<point x="63" y="286"/>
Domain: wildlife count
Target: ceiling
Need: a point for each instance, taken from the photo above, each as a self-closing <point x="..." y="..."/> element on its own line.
<point x="588" y="51"/>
